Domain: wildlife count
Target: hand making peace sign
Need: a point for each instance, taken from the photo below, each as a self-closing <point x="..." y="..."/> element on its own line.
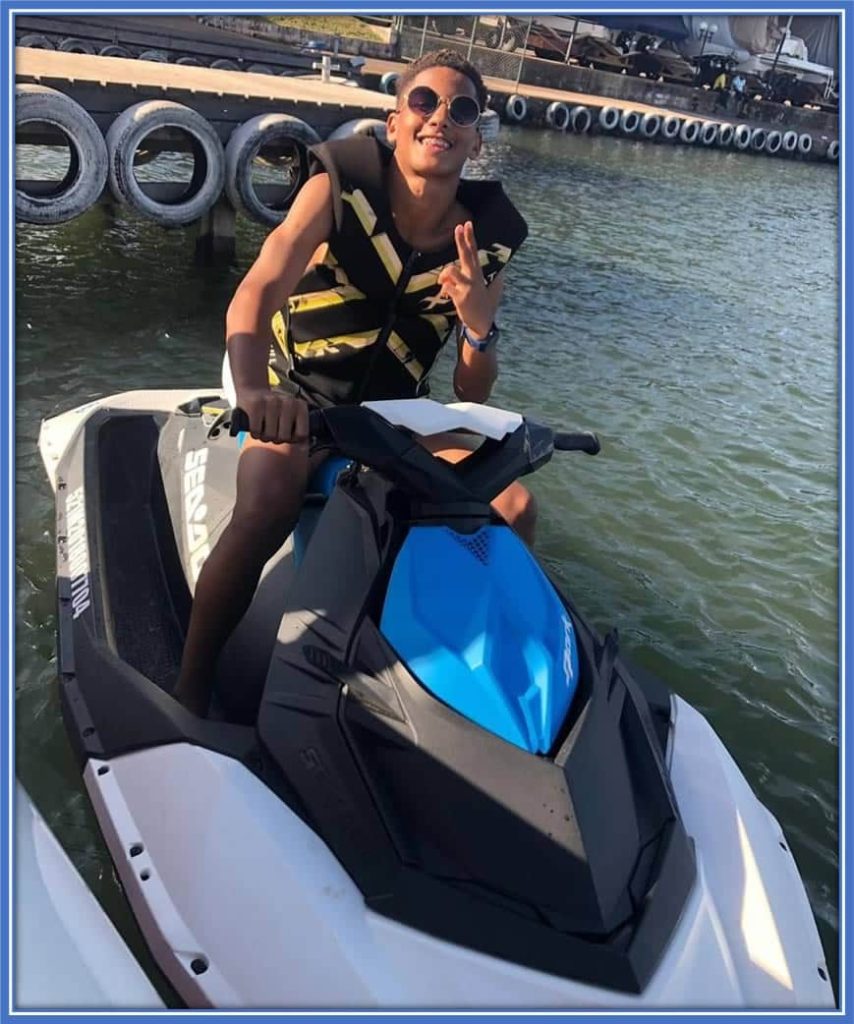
<point x="475" y="302"/>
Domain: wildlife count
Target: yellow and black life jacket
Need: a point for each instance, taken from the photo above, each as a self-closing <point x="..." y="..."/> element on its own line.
<point x="367" y="323"/>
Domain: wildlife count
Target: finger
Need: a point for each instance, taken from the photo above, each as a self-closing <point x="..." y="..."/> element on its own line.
<point x="463" y="250"/>
<point x="284" y="422"/>
<point x="300" y="435"/>
<point x="472" y="244"/>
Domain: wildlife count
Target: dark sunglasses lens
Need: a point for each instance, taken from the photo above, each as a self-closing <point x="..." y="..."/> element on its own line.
<point x="422" y="100"/>
<point x="464" y="111"/>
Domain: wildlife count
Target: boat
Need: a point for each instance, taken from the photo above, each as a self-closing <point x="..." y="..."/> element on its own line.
<point x="425" y="781"/>
<point x="68" y="954"/>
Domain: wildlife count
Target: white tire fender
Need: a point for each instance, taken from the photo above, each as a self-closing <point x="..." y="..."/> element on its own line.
<point x="516" y="108"/>
<point x="609" y="118"/>
<point x="557" y="116"/>
<point x="580" y="119"/>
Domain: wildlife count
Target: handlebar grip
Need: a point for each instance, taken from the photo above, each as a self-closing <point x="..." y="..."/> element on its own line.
<point x="585" y="441"/>
<point x="239" y="422"/>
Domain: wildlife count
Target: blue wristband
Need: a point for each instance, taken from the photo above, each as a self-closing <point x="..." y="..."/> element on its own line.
<point x="482" y="344"/>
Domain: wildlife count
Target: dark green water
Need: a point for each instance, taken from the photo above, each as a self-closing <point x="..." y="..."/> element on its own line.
<point x="683" y="304"/>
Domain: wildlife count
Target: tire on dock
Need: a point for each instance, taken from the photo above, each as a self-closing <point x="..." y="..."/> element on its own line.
<point x="741" y="136"/>
<point x="35" y="41"/>
<point x="609" y="118"/>
<point x="757" y="140"/>
<point x="157" y="56"/>
<point x="580" y="119"/>
<point x="242" y="149"/>
<point x="128" y="133"/>
<point x="773" y="142"/>
<point x="224" y="64"/>
<point x="516" y="108"/>
<point x="388" y="83"/>
<point x="725" y="134"/>
<point x="670" y="127"/>
<point x="260" y="69"/>
<point x="805" y="144"/>
<point x="71" y="44"/>
<point x="557" y="116"/>
<point x="790" y="141"/>
<point x="690" y="131"/>
<point x="708" y="133"/>
<point x="650" y="125"/>
<point x="87" y="172"/>
<point x="370" y="126"/>
<point x="630" y="122"/>
<point x="189" y="62"/>
<point x="832" y="150"/>
<point x="114" y="50"/>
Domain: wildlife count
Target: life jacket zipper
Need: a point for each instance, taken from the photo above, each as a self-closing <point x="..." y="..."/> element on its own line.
<point x="382" y="338"/>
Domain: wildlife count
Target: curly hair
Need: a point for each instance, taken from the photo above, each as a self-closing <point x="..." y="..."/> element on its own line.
<point x="444" y="59"/>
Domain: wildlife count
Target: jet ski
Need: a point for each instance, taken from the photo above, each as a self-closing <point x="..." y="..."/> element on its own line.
<point x="426" y="781"/>
<point x="68" y="954"/>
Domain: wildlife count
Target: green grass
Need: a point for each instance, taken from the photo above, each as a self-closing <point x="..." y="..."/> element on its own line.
<point x="333" y="25"/>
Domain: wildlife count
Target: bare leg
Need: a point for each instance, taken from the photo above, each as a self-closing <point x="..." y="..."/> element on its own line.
<point x="515" y="504"/>
<point x="271" y="480"/>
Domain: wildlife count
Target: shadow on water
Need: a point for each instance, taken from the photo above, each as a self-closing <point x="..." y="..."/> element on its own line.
<point x="683" y="304"/>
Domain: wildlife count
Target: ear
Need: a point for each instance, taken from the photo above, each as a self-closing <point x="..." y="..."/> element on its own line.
<point x="391" y="125"/>
<point x="476" y="144"/>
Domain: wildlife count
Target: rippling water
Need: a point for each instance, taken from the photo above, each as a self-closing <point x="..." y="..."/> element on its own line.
<point x="681" y="303"/>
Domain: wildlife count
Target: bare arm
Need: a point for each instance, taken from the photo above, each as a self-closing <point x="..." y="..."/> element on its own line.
<point x="476" y="372"/>
<point x="264" y="290"/>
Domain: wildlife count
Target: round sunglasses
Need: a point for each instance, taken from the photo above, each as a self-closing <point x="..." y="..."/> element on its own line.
<point x="463" y="110"/>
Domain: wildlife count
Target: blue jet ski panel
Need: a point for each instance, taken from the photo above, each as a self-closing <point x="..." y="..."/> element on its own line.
<point x="478" y="623"/>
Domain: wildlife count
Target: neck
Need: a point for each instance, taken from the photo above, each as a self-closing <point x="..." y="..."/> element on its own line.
<point x="422" y="207"/>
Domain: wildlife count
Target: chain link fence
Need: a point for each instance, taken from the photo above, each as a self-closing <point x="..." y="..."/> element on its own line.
<point x="497" y="44"/>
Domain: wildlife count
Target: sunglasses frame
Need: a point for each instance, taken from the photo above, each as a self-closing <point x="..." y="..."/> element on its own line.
<point x="448" y="105"/>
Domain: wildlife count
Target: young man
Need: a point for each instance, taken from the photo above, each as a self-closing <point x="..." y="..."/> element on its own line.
<point x="400" y="254"/>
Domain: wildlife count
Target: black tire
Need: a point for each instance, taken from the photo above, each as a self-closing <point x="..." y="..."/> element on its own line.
<point x="832" y="150"/>
<point x="516" y="108"/>
<point x="790" y="141"/>
<point x="224" y="64"/>
<point x="650" y="125"/>
<point x="125" y="136"/>
<point x="74" y="45"/>
<point x="708" y="133"/>
<point x="189" y="62"/>
<point x="689" y="132"/>
<point x="35" y="41"/>
<point x="157" y="56"/>
<point x="244" y="145"/>
<point x="115" y="51"/>
<point x="670" y="127"/>
<point x="630" y="122"/>
<point x="511" y="41"/>
<point x="388" y="83"/>
<point x="557" y="116"/>
<point x="805" y="144"/>
<point x="609" y="118"/>
<point x="370" y="126"/>
<point x="87" y="173"/>
<point x="725" y="134"/>
<point x="757" y="140"/>
<point x="493" y="38"/>
<point x="580" y="119"/>
<point x="773" y="142"/>
<point x="259" y="69"/>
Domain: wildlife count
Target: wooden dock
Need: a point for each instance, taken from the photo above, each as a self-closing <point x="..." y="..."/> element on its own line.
<point x="107" y="85"/>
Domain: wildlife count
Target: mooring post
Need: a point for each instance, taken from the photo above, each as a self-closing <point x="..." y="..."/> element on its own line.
<point x="215" y="240"/>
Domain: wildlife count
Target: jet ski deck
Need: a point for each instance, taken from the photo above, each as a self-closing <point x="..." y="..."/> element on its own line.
<point x="341" y="834"/>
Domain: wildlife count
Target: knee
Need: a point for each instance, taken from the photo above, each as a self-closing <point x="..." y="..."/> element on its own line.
<point x="264" y="515"/>
<point x="518" y="508"/>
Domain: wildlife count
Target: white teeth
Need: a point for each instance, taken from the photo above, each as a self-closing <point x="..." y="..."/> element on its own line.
<point x="435" y="143"/>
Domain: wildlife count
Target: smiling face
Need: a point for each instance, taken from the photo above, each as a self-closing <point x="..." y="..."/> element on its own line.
<point x="433" y="145"/>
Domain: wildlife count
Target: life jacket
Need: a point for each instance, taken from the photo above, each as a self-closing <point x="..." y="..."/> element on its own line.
<point x="367" y="322"/>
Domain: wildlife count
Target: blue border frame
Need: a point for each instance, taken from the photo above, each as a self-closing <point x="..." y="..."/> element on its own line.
<point x="8" y="8"/>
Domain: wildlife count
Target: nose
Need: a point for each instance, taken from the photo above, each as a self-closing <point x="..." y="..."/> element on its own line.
<point x="440" y="114"/>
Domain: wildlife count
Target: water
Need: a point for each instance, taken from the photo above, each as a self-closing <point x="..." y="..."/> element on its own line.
<point x="681" y="303"/>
